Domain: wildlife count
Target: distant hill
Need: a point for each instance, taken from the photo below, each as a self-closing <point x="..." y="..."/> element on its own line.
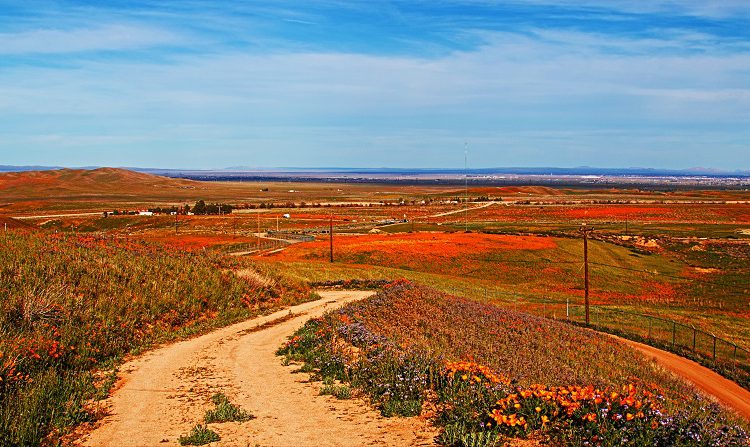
<point x="82" y="182"/>
<point x="323" y="172"/>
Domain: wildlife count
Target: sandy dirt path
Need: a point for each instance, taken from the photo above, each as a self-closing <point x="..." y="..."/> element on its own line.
<point x="164" y="393"/>
<point x="463" y="210"/>
<point x="724" y="390"/>
<point x="51" y="216"/>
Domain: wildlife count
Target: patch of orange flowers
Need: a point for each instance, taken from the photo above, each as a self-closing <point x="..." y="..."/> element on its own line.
<point x="475" y="372"/>
<point x="585" y="404"/>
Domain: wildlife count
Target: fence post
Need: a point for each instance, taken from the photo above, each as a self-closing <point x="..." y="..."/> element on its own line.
<point x="714" y="347"/>
<point x="674" y="332"/>
<point x="694" y="333"/>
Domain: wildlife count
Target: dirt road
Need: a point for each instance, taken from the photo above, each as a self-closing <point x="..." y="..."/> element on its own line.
<point x="463" y="210"/>
<point x="725" y="391"/>
<point x="167" y="391"/>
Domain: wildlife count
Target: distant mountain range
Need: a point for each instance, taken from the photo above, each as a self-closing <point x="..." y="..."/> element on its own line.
<point x="578" y="171"/>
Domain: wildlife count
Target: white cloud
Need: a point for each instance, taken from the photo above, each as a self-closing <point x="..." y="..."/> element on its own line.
<point x="553" y="92"/>
<point x="699" y="8"/>
<point x="106" y="37"/>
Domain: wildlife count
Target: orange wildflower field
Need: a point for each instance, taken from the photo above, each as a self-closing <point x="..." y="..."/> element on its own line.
<point x="678" y="213"/>
<point x="438" y="252"/>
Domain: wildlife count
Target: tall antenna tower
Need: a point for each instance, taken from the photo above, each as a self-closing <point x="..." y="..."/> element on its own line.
<point x="466" y="186"/>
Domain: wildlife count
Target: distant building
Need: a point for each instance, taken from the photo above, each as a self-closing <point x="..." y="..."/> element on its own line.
<point x="145" y="213"/>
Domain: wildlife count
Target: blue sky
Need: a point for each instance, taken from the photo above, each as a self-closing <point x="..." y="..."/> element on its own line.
<point x="207" y="84"/>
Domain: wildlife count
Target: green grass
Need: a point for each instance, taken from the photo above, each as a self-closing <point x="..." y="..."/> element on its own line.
<point x="225" y="411"/>
<point x="199" y="435"/>
<point x="341" y="392"/>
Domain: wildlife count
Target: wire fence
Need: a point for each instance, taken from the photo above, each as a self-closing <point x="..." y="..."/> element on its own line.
<point x="258" y="245"/>
<point x="723" y="356"/>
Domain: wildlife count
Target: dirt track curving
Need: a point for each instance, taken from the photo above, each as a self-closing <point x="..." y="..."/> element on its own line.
<point x="723" y="390"/>
<point x="164" y="393"/>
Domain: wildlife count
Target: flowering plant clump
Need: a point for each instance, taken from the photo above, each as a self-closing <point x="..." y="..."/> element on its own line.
<point x="475" y="372"/>
<point x="402" y="348"/>
<point x="588" y="413"/>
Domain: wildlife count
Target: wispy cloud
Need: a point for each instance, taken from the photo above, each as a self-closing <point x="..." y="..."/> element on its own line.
<point x="109" y="37"/>
<point x="254" y="86"/>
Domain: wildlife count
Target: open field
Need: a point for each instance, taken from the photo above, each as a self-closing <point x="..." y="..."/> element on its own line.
<point x="659" y="251"/>
<point x="678" y="281"/>
<point x="682" y="255"/>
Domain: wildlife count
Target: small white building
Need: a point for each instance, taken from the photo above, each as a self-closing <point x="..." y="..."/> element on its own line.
<point x="145" y="213"/>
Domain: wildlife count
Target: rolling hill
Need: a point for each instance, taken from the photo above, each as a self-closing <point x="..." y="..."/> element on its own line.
<point x="86" y="183"/>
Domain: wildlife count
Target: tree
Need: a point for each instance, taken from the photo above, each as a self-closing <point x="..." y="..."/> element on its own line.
<point x="200" y="207"/>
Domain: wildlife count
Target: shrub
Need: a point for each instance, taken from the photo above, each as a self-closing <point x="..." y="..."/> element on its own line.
<point x="225" y="411"/>
<point x="199" y="435"/>
<point x="340" y="392"/>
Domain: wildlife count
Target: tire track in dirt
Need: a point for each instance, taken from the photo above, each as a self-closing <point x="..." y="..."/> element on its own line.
<point x="164" y="393"/>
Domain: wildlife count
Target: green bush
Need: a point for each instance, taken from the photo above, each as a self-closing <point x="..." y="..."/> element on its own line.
<point x="340" y="392"/>
<point x="199" y="435"/>
<point x="225" y="411"/>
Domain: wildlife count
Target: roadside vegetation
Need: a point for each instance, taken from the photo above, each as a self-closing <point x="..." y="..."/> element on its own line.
<point x="487" y="375"/>
<point x="199" y="435"/>
<point x="225" y="411"/>
<point x="73" y="306"/>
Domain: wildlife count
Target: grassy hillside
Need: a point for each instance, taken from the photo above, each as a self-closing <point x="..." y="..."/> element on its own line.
<point x="700" y="283"/>
<point x="70" y="306"/>
<point x="543" y="265"/>
<point x="487" y="374"/>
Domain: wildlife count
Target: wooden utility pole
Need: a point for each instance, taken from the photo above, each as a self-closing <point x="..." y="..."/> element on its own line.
<point x="175" y="224"/>
<point x="586" y="232"/>
<point x="330" y="234"/>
